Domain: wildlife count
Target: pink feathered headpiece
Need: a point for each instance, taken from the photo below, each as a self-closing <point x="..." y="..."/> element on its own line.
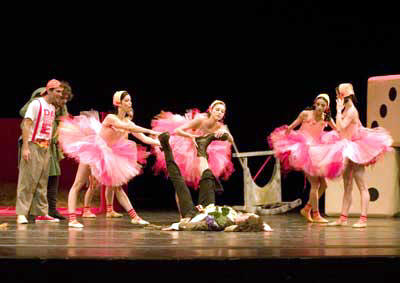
<point x="346" y="89"/>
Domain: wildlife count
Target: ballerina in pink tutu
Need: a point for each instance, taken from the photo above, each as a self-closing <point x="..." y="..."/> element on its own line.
<point x="293" y="148"/>
<point x="358" y="147"/>
<point x="94" y="185"/>
<point x="196" y="145"/>
<point x="102" y="150"/>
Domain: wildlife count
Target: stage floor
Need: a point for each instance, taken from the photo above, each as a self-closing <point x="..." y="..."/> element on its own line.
<point x="110" y="249"/>
<point x="117" y="239"/>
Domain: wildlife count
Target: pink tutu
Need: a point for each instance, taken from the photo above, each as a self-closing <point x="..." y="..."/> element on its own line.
<point x="365" y="147"/>
<point x="111" y="165"/>
<point x="296" y="151"/>
<point x="291" y="149"/>
<point x="327" y="155"/>
<point x="185" y="152"/>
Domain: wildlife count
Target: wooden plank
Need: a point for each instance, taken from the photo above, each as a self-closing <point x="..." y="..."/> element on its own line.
<point x="253" y="153"/>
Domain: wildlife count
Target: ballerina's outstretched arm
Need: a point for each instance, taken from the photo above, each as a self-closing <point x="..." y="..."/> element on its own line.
<point x="146" y="139"/>
<point x="112" y="120"/>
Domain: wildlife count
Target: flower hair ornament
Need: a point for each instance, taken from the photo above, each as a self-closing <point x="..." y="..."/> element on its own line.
<point x="117" y="97"/>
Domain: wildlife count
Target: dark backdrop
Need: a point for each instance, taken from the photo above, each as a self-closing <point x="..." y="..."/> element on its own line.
<point x="266" y="60"/>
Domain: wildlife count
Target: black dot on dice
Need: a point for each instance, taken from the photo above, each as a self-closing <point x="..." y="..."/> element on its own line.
<point x="374" y="124"/>
<point x="392" y="94"/>
<point x="373" y="194"/>
<point x="383" y="110"/>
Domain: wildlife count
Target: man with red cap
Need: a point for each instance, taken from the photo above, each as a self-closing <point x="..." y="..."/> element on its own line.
<point x="34" y="164"/>
<point x="56" y="154"/>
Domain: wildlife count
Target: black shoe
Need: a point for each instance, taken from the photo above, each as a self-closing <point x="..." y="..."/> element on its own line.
<point x="57" y="215"/>
<point x="164" y="140"/>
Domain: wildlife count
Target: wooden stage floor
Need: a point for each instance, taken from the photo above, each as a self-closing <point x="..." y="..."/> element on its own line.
<point x="293" y="245"/>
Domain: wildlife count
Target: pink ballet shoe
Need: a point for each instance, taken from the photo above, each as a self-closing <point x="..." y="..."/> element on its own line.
<point x="337" y="223"/>
<point x="88" y="214"/>
<point x="359" y="225"/>
<point x="75" y="224"/>
<point x="306" y="214"/>
<point x="139" y="221"/>
<point x="319" y="219"/>
<point x="113" y="214"/>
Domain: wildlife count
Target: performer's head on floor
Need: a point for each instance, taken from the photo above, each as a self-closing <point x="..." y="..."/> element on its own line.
<point x="345" y="91"/>
<point x="53" y="92"/>
<point x="217" y="110"/>
<point x="122" y="101"/>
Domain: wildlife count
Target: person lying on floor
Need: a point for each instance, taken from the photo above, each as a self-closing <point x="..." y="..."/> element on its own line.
<point x="221" y="218"/>
<point x="206" y="216"/>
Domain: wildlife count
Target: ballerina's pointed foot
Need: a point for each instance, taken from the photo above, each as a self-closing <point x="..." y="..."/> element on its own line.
<point x="306" y="214"/>
<point x="359" y="225"/>
<point x="88" y="214"/>
<point x="75" y="224"/>
<point x="113" y="214"/>
<point x="139" y="221"/>
<point x="320" y="219"/>
<point x="337" y="223"/>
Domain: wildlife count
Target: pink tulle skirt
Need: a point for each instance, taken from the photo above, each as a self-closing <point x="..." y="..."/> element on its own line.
<point x="292" y="149"/>
<point x="365" y="147"/>
<point x="111" y="165"/>
<point x="185" y="152"/>
<point x="328" y="156"/>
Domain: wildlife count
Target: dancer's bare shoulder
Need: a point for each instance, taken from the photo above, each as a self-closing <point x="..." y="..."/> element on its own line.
<point x="111" y="119"/>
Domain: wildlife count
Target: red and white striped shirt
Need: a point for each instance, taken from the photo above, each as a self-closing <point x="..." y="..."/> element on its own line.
<point x="42" y="115"/>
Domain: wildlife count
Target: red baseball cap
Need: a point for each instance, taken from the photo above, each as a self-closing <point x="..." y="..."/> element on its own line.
<point x="51" y="84"/>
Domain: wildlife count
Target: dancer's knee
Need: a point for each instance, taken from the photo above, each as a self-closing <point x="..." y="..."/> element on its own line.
<point x="113" y="189"/>
<point x="78" y="184"/>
